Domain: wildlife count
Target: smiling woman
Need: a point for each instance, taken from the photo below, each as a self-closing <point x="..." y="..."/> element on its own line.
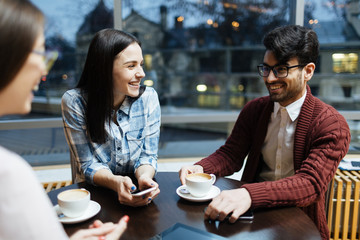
<point x="127" y="73"/>
<point x="112" y="124"/>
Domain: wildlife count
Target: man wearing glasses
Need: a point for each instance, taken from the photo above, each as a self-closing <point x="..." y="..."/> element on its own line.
<point x="293" y="141"/>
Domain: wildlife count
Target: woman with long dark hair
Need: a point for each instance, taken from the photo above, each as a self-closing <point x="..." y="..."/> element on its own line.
<point x="111" y="122"/>
<point x="25" y="210"/>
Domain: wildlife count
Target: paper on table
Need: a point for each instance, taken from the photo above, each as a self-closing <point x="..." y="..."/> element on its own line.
<point x="350" y="164"/>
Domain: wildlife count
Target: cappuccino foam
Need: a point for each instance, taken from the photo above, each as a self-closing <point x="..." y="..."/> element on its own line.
<point x="72" y="195"/>
<point x="198" y="178"/>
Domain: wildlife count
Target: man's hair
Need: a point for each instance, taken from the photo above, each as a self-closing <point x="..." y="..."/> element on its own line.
<point x="20" y="25"/>
<point x="97" y="78"/>
<point x="291" y="41"/>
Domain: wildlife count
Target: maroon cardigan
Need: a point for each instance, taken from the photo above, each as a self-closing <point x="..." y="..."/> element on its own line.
<point x="322" y="139"/>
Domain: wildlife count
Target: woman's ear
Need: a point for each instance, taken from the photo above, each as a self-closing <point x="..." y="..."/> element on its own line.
<point x="309" y="71"/>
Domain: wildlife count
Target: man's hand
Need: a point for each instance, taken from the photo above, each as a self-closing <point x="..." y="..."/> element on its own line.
<point x="236" y="201"/>
<point x="184" y="171"/>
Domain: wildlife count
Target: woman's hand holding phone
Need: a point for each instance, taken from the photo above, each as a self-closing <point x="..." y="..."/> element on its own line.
<point x="143" y="192"/>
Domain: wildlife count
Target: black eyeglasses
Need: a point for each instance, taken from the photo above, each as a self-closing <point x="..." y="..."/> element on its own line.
<point x="279" y="71"/>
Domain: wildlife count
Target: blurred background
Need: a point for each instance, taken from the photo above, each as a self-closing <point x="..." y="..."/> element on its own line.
<point x="200" y="56"/>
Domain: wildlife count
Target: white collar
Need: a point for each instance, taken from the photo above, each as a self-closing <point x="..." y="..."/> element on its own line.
<point x="293" y="109"/>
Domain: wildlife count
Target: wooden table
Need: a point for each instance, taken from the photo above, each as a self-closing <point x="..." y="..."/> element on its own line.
<point x="168" y="208"/>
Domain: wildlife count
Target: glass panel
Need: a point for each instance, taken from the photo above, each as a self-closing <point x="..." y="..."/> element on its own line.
<point x="69" y="28"/>
<point x="203" y="53"/>
<point x="334" y="21"/>
<point x="201" y="57"/>
<point x="345" y="62"/>
<point x="337" y="78"/>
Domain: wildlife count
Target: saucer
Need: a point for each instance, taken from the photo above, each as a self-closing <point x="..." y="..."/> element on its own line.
<point x="91" y="211"/>
<point x="214" y="191"/>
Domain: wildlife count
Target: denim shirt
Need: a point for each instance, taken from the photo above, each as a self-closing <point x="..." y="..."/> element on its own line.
<point x="132" y="143"/>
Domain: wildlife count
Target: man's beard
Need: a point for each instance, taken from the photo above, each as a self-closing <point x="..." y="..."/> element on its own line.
<point x="287" y="94"/>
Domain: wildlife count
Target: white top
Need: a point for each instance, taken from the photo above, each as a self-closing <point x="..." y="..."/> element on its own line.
<point x="278" y="146"/>
<point x="25" y="210"/>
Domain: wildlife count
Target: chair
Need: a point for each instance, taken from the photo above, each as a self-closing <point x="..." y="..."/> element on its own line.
<point x="49" y="186"/>
<point x="343" y="205"/>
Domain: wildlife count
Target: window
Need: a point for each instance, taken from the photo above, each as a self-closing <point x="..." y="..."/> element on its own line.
<point x="204" y="53"/>
<point x="345" y="62"/>
<point x="200" y="56"/>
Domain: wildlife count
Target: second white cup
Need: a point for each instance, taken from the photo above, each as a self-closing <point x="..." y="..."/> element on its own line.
<point x="199" y="184"/>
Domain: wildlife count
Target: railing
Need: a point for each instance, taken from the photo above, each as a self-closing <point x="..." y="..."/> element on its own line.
<point x="169" y="117"/>
<point x="198" y="116"/>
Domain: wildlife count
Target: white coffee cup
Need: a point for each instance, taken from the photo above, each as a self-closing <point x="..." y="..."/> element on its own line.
<point x="199" y="184"/>
<point x="74" y="202"/>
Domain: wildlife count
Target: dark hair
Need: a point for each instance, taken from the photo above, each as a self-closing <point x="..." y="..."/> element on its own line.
<point x="291" y="41"/>
<point x="20" y="25"/>
<point x="97" y="80"/>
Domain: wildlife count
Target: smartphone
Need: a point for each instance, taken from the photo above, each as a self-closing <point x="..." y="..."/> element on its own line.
<point x="143" y="192"/>
<point x="248" y="215"/>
